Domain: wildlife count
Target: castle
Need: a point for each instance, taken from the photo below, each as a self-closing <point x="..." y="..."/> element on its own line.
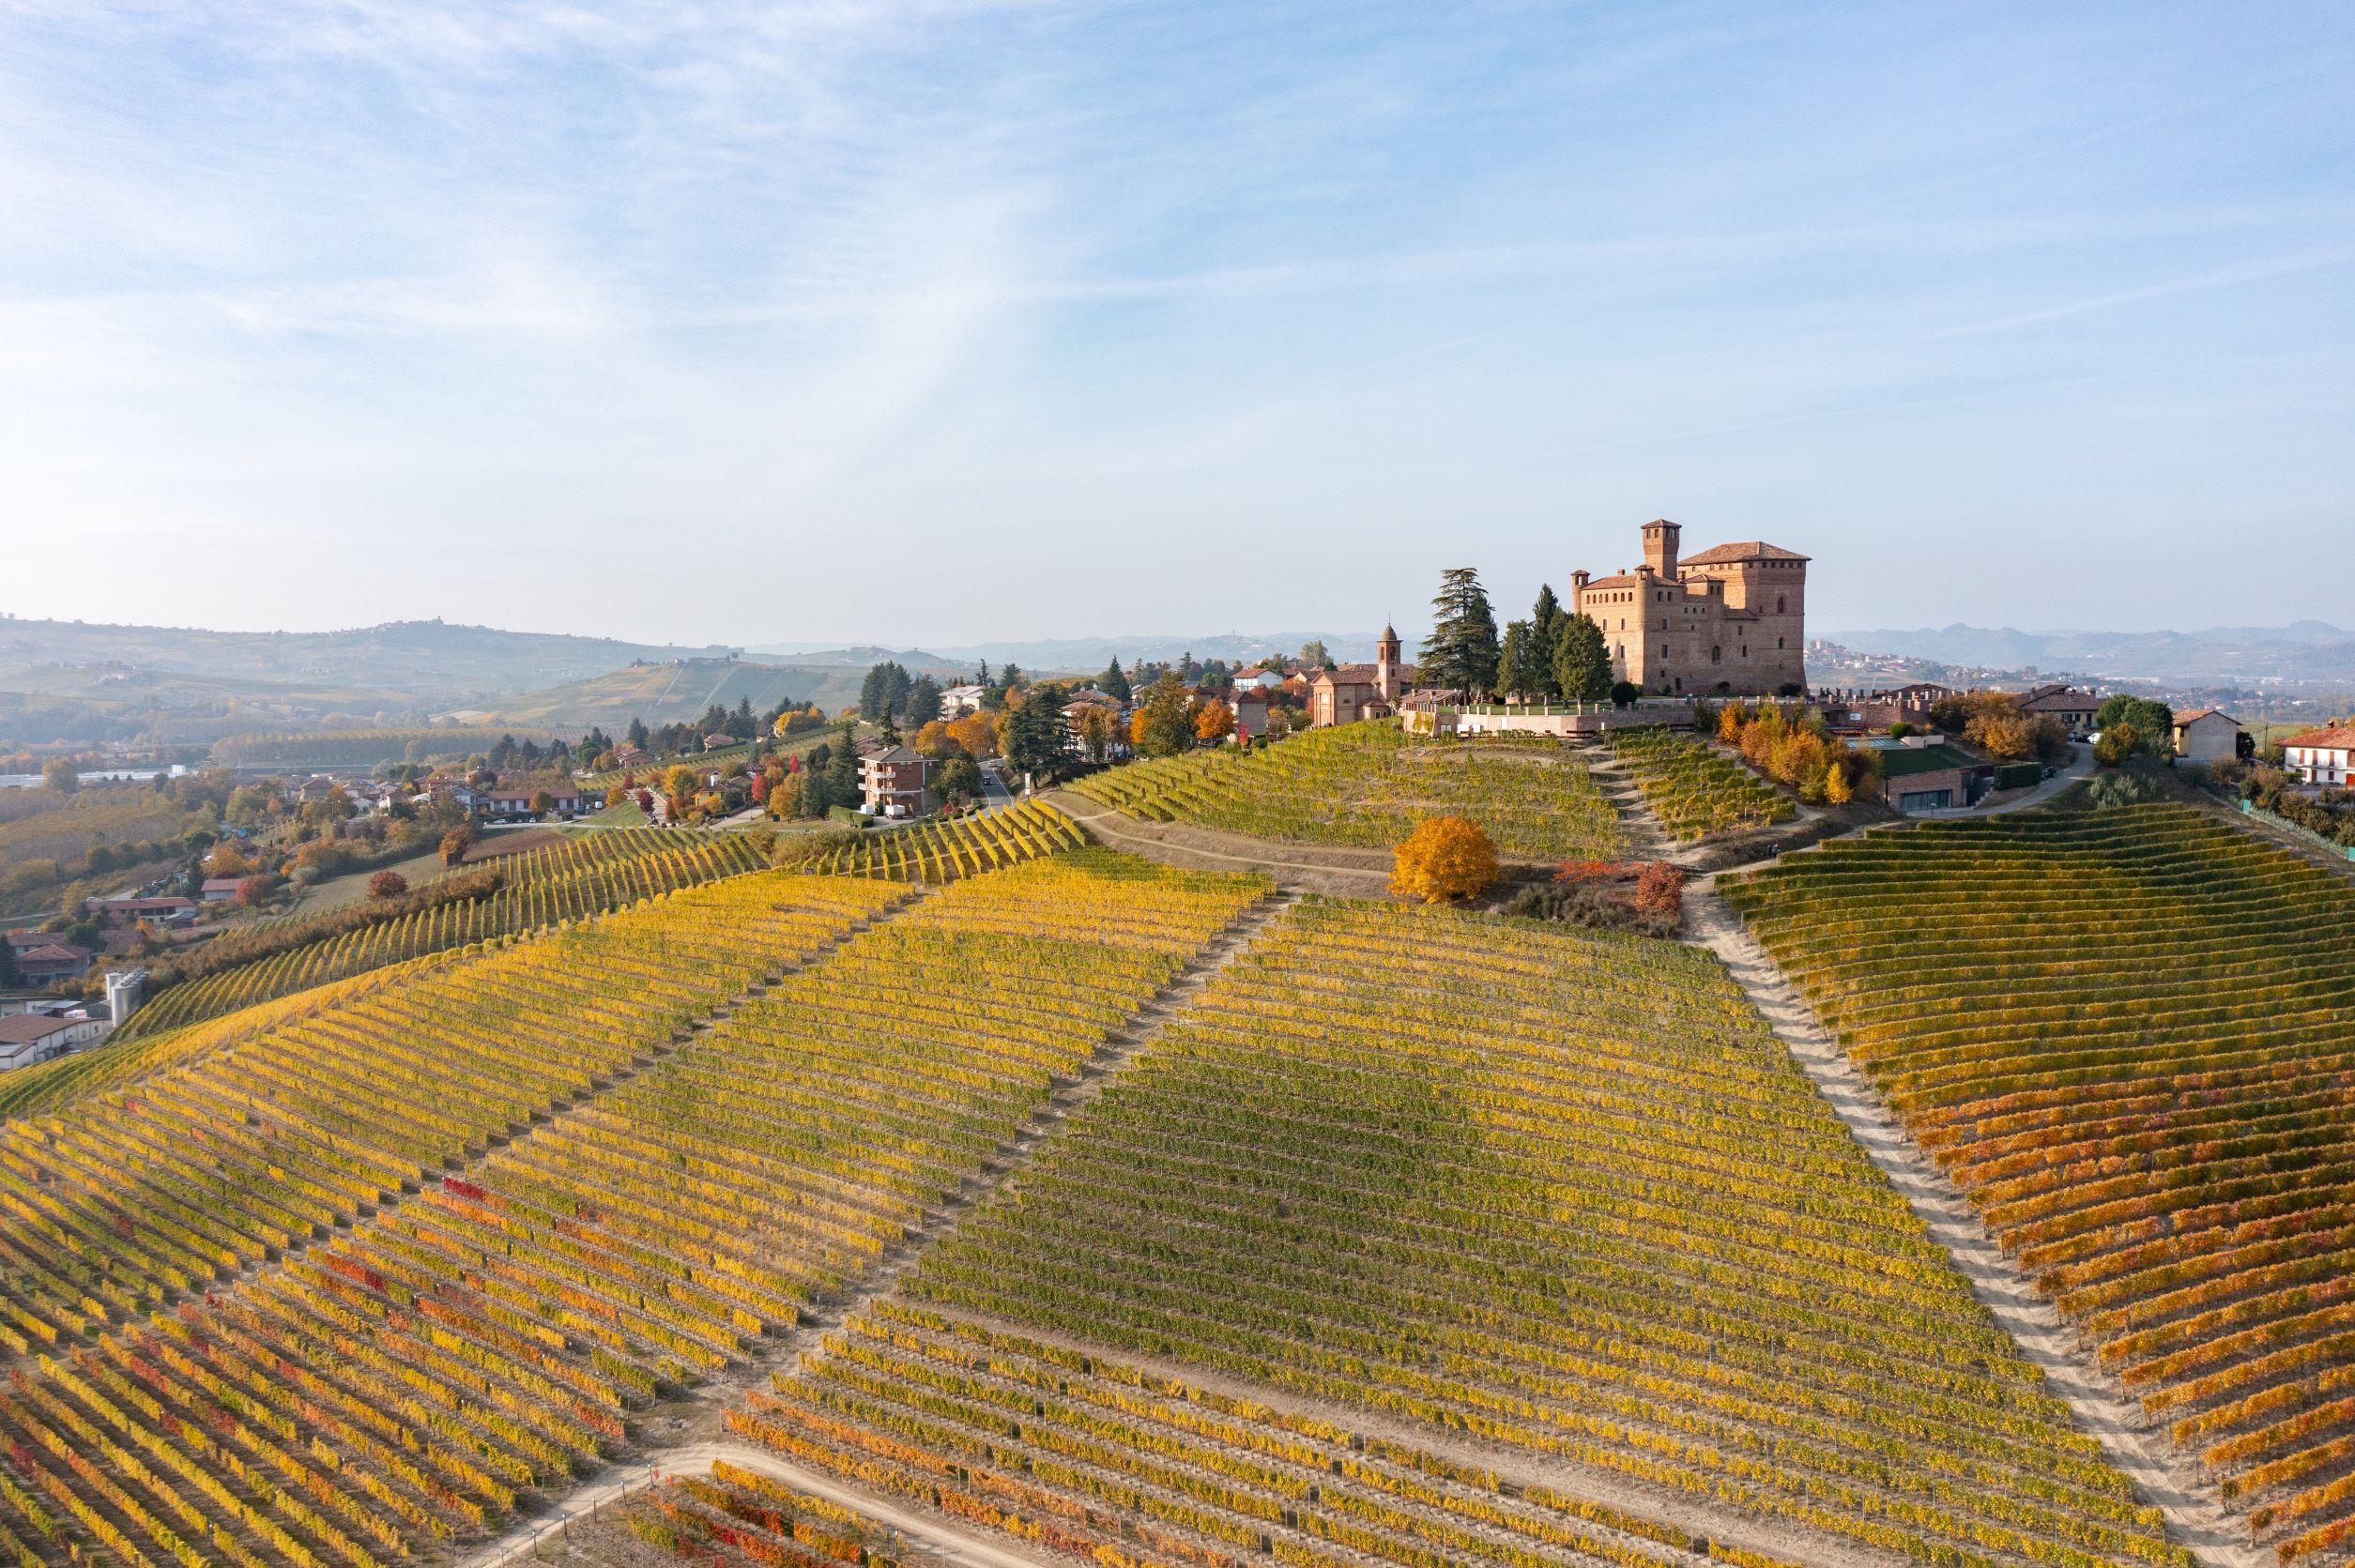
<point x="1730" y="620"/>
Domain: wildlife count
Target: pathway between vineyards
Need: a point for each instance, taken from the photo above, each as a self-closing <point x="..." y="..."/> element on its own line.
<point x="2196" y="1515"/>
<point x="693" y="1432"/>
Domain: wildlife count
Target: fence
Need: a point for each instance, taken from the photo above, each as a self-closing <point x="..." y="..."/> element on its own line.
<point x="2251" y="808"/>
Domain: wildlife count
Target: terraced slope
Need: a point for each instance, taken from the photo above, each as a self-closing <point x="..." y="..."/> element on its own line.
<point x="1367" y="784"/>
<point x="580" y="876"/>
<point x="1695" y="790"/>
<point x="1560" y="1190"/>
<point x="448" y="1318"/>
<point x="2130" y="1037"/>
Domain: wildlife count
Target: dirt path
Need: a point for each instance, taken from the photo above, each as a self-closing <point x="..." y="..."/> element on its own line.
<point x="948" y="1540"/>
<point x="2195" y="1517"/>
<point x="696" y="1425"/>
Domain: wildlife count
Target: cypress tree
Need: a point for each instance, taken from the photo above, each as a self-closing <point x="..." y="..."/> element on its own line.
<point x="1112" y="683"/>
<point x="1545" y="625"/>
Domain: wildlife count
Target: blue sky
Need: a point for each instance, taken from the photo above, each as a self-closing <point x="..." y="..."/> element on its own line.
<point x="954" y="321"/>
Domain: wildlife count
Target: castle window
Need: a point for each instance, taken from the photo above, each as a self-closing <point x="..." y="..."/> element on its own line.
<point x="1777" y="642"/>
<point x="1717" y="656"/>
<point x="1777" y="604"/>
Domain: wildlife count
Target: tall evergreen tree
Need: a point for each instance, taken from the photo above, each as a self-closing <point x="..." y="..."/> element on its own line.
<point x="1461" y="651"/>
<point x="1545" y="625"/>
<point x="1112" y="683"/>
<point x="842" y="771"/>
<point x="1033" y="735"/>
<point x="1582" y="662"/>
<point x="923" y="701"/>
<point x="1524" y="667"/>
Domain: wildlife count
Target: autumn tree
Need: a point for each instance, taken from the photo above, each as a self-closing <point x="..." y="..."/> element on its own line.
<point x="1163" y="723"/>
<point x="542" y="803"/>
<point x="252" y="890"/>
<point x="1581" y="660"/>
<point x="1461" y="651"/>
<point x="1444" y="859"/>
<point x="1097" y="726"/>
<point x="59" y="774"/>
<point x="454" y="845"/>
<point x="975" y="735"/>
<point x="228" y="858"/>
<point x="958" y="778"/>
<point x="388" y="884"/>
<point x="1214" y="721"/>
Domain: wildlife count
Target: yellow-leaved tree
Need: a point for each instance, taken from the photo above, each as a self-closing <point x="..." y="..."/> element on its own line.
<point x="1446" y="857"/>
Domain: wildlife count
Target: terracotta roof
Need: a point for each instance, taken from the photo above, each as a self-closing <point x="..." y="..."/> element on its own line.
<point x="2060" y="699"/>
<point x="1347" y="675"/>
<point x="2331" y="737"/>
<point x="228" y="882"/>
<point x="1616" y="580"/>
<point x="2198" y="713"/>
<point x="27" y="1028"/>
<point x="51" y="953"/>
<point x="1748" y="550"/>
<point x="892" y="753"/>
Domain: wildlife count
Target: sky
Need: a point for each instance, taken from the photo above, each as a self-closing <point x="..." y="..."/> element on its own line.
<point x="967" y="320"/>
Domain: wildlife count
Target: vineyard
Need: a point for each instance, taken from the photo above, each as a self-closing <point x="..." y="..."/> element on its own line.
<point x="942" y="849"/>
<point x="1560" y="1190"/>
<point x="1695" y="790"/>
<point x="759" y="1519"/>
<point x="485" y="1211"/>
<point x="1367" y="784"/>
<point x="581" y="875"/>
<point x="2124" y="1034"/>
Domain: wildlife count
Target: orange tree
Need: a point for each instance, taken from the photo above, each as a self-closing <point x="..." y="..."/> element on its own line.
<point x="1446" y="857"/>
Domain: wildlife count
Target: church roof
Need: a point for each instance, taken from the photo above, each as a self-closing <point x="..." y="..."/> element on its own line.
<point x="1748" y="550"/>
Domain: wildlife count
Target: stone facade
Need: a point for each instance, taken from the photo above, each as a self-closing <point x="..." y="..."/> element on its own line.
<point x="1347" y="693"/>
<point x="1730" y="620"/>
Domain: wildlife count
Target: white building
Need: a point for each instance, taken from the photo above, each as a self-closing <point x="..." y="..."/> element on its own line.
<point x="958" y="701"/>
<point x="2322" y="756"/>
<point x="27" y="1037"/>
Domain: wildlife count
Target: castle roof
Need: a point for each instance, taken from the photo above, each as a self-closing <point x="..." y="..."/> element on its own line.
<point x="1748" y="550"/>
<point x="1616" y="580"/>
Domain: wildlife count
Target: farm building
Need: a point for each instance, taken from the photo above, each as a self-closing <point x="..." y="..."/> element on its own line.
<point x="27" y="1037"/>
<point x="1933" y="776"/>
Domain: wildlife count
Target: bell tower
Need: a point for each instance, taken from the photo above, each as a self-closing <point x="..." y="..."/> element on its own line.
<point x="1387" y="676"/>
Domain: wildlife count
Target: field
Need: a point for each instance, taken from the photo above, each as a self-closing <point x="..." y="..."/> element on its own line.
<point x="1557" y="1189"/>
<point x="2125" y="1035"/>
<point x="1695" y="791"/>
<point x="1368" y="785"/>
<point x="940" y="849"/>
<point x="481" y="1212"/>
<point x="361" y="748"/>
<point x="540" y="886"/>
<point x="44" y="835"/>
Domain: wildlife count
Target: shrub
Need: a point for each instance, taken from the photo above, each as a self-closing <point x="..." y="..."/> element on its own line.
<point x="1659" y="891"/>
<point x="254" y="890"/>
<point x="388" y="884"/>
<point x="1446" y="857"/>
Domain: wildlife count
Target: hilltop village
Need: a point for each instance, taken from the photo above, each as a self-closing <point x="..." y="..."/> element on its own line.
<point x="1189" y="1114"/>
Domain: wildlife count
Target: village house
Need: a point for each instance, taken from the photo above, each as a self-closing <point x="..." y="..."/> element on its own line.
<point x="2073" y="709"/>
<point x="219" y="890"/>
<point x="1259" y="677"/>
<point x="511" y="803"/>
<point x="895" y="782"/>
<point x="41" y="959"/>
<point x="2322" y="756"/>
<point x="2210" y="734"/>
<point x="1730" y="620"/>
<point x="1347" y="693"/>
<point x="1250" y="711"/>
<point x="131" y="911"/>
<point x="958" y="701"/>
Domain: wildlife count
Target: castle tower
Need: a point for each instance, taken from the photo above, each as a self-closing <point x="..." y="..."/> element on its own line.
<point x="1660" y="547"/>
<point x="1388" y="680"/>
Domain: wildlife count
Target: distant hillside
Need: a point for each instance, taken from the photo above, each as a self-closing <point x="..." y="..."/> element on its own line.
<point x="429" y="658"/>
<point x="1090" y="654"/>
<point x="2308" y="653"/>
<point x="669" y="691"/>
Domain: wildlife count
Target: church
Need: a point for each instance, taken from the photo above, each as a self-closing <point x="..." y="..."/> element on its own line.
<point x="1728" y="622"/>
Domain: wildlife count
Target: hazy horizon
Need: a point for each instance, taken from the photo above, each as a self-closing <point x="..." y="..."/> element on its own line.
<point x="955" y="323"/>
